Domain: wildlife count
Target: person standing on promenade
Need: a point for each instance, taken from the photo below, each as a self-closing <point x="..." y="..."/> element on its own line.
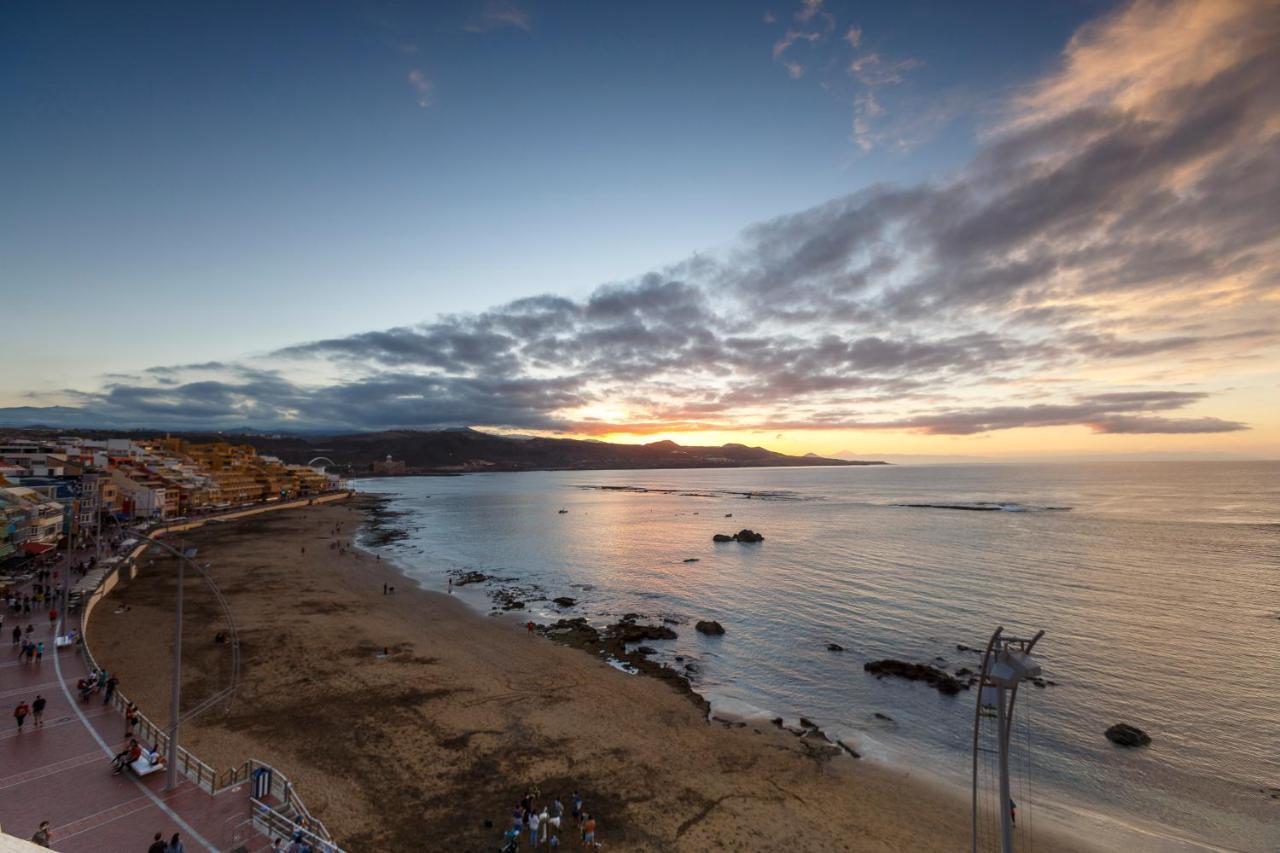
<point x="42" y="835"/>
<point x="17" y="635"/>
<point x="175" y="845"/>
<point x="130" y="719"/>
<point x="20" y="713"/>
<point x="111" y="690"/>
<point x="157" y="844"/>
<point x="40" y="651"/>
<point x="53" y="619"/>
<point x="37" y="712"/>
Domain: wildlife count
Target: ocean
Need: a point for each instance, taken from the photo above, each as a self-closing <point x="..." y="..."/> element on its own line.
<point x="1157" y="586"/>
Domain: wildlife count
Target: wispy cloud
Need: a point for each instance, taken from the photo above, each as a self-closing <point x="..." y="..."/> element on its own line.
<point x="496" y="15"/>
<point x="422" y="87"/>
<point x="1102" y="245"/>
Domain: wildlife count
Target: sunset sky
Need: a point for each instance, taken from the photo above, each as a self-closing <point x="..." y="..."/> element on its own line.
<point x="1013" y="230"/>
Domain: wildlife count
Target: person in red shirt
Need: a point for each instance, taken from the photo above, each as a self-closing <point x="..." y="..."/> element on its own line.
<point x="53" y="619"/>
<point x="20" y="713"/>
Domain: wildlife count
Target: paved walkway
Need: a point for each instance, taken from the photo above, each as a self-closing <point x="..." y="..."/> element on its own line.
<point x="61" y="772"/>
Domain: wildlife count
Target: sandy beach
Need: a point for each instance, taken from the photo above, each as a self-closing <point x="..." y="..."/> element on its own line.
<point x="416" y="749"/>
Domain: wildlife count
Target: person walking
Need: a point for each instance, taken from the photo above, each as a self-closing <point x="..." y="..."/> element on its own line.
<point x="17" y="635"/>
<point x="175" y="845"/>
<point x="111" y="690"/>
<point x="157" y="844"/>
<point x="40" y="651"/>
<point x="20" y="713"/>
<point x="42" y="836"/>
<point x="37" y="712"/>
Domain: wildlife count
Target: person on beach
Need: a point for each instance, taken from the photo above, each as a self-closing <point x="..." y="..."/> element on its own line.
<point x="575" y="806"/>
<point x="588" y="831"/>
<point x="535" y="821"/>
<point x="43" y="835"/>
<point x="20" y="713"/>
<point x="37" y="712"/>
<point x="157" y="844"/>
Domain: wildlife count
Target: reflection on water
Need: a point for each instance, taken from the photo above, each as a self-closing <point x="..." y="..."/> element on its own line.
<point x="1158" y="585"/>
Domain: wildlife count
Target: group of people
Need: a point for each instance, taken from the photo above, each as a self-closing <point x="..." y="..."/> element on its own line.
<point x="542" y="827"/>
<point x="35" y="710"/>
<point x="132" y="753"/>
<point x="158" y="844"/>
<point x="98" y="681"/>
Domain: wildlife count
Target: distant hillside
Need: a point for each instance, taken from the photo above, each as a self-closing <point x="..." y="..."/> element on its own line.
<point x="460" y="450"/>
<point x="446" y="451"/>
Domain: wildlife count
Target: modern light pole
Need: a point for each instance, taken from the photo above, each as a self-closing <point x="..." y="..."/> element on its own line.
<point x="1006" y="664"/>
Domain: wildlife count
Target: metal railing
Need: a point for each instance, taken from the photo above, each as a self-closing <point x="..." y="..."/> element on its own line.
<point x="282" y="820"/>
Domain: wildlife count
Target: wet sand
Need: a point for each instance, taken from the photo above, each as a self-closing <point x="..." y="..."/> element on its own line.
<point x="416" y="750"/>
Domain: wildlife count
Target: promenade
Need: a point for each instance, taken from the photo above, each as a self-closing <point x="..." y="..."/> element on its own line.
<point x="61" y="771"/>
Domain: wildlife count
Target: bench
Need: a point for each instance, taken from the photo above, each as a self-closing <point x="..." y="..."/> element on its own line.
<point x="64" y="640"/>
<point x="143" y="765"/>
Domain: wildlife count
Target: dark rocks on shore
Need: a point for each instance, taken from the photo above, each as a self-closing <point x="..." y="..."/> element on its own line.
<point x="645" y="650"/>
<point x="885" y="717"/>
<point x="853" y="753"/>
<point x="565" y="601"/>
<point x="627" y="631"/>
<point x="578" y="633"/>
<point x="834" y="647"/>
<point x="1123" y="734"/>
<point x="806" y="723"/>
<point x="470" y="577"/>
<point x="721" y="537"/>
<point x="963" y="671"/>
<point x="935" y="678"/>
<point x="709" y="627"/>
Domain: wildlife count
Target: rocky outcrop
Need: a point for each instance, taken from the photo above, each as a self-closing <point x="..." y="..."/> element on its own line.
<point x="470" y="577"/>
<point x="710" y="627"/>
<point x="631" y="632"/>
<point x="1123" y="734"/>
<point x="935" y="678"/>
<point x="745" y="535"/>
<point x="565" y="601"/>
<point x="834" y="647"/>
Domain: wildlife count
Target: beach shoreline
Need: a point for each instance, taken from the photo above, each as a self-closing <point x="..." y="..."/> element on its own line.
<point x="417" y="748"/>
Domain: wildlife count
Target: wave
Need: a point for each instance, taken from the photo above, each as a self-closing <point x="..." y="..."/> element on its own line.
<point x="759" y="494"/>
<point x="985" y="506"/>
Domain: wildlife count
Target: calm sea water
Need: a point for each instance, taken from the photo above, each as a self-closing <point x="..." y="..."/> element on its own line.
<point x="1157" y="584"/>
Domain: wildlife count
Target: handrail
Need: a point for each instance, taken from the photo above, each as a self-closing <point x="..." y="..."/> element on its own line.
<point x="200" y="773"/>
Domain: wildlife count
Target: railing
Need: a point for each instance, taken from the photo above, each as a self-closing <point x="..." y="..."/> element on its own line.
<point x="268" y="819"/>
<point x="275" y="825"/>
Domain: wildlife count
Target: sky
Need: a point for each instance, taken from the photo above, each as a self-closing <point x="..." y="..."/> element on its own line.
<point x="971" y="230"/>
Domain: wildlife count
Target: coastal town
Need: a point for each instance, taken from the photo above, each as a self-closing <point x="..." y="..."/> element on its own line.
<point x="66" y="487"/>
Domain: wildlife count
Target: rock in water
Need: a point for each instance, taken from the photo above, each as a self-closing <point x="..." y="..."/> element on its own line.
<point x="720" y="537"/>
<point x="565" y="601"/>
<point x="709" y="626"/>
<point x="834" y="647"/>
<point x="748" y="535"/>
<point x="935" y="678"/>
<point x="1123" y="734"/>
